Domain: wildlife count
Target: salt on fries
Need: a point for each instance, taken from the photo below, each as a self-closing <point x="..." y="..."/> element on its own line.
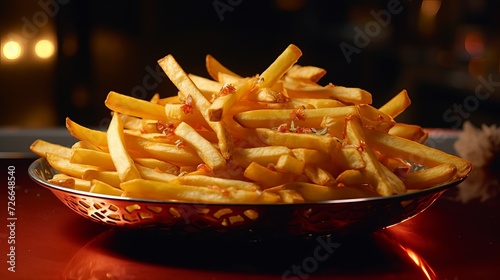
<point x="276" y="137"/>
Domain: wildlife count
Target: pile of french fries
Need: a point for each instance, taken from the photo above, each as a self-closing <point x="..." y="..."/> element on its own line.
<point x="276" y="137"/>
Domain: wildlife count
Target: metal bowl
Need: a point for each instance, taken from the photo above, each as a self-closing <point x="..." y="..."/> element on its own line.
<point x="250" y="221"/>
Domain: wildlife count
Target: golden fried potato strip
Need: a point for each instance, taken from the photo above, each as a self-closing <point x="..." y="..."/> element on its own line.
<point x="123" y="162"/>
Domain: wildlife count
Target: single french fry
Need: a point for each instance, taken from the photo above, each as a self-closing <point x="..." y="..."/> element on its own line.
<point x="203" y="180"/>
<point x="268" y="95"/>
<point x="374" y="118"/>
<point x="209" y="135"/>
<point x="306" y="73"/>
<point x="393" y="179"/>
<point x="103" y="188"/>
<point x="226" y="78"/>
<point x="172" y="153"/>
<point x="201" y="169"/>
<point x="334" y="125"/>
<point x="347" y="95"/>
<point x="94" y="137"/>
<point x="280" y="66"/>
<point x="348" y="157"/>
<point x="130" y="122"/>
<point x="320" y="102"/>
<point x="170" y="99"/>
<point x="412" y="132"/>
<point x="264" y="176"/>
<point x="296" y="140"/>
<point x="214" y="67"/>
<point x="208" y="87"/>
<point x="67" y="182"/>
<point x="290" y="196"/>
<point x="41" y="148"/>
<point x="77" y="183"/>
<point x="122" y="161"/>
<point x="395" y="164"/>
<point x="85" y="145"/>
<point x="154" y="174"/>
<point x="133" y="138"/>
<point x="289" y="164"/>
<point x="160" y="165"/>
<point x="155" y="98"/>
<point x="109" y="177"/>
<point x="140" y="125"/>
<point x="93" y="157"/>
<point x="99" y="138"/>
<point x="397" y="104"/>
<point x="63" y="165"/>
<point x="220" y="105"/>
<point x="310" y="118"/>
<point x="205" y="150"/>
<point x="318" y="175"/>
<point x="311" y="156"/>
<point x="131" y="106"/>
<point x="351" y="177"/>
<point x="261" y="155"/>
<point x="433" y="176"/>
<point x="178" y="112"/>
<point x="296" y="89"/>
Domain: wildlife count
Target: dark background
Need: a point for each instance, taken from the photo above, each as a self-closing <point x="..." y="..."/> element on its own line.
<point x="114" y="45"/>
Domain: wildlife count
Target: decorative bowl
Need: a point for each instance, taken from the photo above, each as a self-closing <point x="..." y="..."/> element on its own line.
<point x="250" y="221"/>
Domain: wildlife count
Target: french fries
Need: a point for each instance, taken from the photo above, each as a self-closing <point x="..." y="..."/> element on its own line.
<point x="277" y="137"/>
<point x="184" y="84"/>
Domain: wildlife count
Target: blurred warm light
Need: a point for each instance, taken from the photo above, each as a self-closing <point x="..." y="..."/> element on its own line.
<point x="290" y="5"/>
<point x="80" y="96"/>
<point x="70" y="45"/>
<point x="474" y="43"/>
<point x="12" y="50"/>
<point x="421" y="263"/>
<point x="427" y="18"/>
<point x="445" y="59"/>
<point x="476" y="67"/>
<point x="430" y="8"/>
<point x="44" y="49"/>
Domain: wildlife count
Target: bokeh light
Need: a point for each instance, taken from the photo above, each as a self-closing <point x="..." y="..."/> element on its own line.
<point x="44" y="49"/>
<point x="474" y="43"/>
<point x="430" y="8"/>
<point x="12" y="50"/>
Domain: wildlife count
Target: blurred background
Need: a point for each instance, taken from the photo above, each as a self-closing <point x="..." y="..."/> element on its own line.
<point x="60" y="58"/>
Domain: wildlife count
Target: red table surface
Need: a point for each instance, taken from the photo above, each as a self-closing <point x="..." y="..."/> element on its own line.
<point x="452" y="239"/>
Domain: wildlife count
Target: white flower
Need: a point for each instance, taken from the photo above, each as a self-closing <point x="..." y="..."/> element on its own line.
<point x="480" y="185"/>
<point x="482" y="148"/>
<point x="479" y="146"/>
